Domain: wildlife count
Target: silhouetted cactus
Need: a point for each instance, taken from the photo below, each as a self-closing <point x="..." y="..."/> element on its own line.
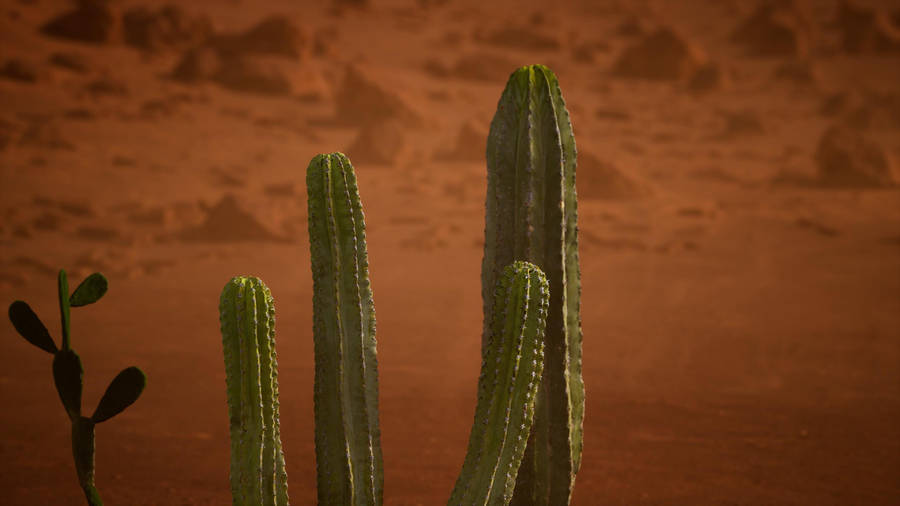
<point x="247" y="317"/>
<point x="348" y="439"/>
<point x="511" y="368"/>
<point x="68" y="374"/>
<point x="531" y="215"/>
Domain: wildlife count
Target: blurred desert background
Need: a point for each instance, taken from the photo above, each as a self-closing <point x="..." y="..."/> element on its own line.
<point x="739" y="211"/>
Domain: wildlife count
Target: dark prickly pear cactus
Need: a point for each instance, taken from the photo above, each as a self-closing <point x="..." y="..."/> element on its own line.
<point x="531" y="215"/>
<point x="348" y="438"/>
<point x="511" y="368"/>
<point x="68" y="374"/>
<point x="247" y="317"/>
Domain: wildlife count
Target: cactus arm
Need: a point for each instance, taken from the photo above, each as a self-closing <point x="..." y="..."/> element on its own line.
<point x="63" y="289"/>
<point x="510" y="375"/>
<point x="348" y="448"/>
<point x="531" y="215"/>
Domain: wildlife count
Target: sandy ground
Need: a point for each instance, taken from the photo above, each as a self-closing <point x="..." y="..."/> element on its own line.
<point x="739" y="220"/>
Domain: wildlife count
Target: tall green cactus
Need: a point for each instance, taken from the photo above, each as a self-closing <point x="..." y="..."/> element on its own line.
<point x="348" y="439"/>
<point x="531" y="215"/>
<point x="68" y="374"/>
<point x="511" y="368"/>
<point x="247" y="316"/>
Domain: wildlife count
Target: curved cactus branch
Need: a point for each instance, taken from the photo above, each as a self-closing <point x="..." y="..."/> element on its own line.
<point x="247" y="316"/>
<point x="511" y="369"/>
<point x="531" y="215"/>
<point x="348" y="440"/>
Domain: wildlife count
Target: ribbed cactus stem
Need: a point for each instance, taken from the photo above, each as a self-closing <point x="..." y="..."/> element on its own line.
<point x="511" y="368"/>
<point x="247" y="315"/>
<point x="531" y="215"/>
<point x="348" y="440"/>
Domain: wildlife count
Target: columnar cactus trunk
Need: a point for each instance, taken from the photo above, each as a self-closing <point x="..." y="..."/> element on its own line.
<point x="348" y="441"/>
<point x="531" y="215"/>
<point x="247" y="316"/>
<point x="511" y="368"/>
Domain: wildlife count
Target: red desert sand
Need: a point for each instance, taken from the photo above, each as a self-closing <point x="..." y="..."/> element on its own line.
<point x="739" y="233"/>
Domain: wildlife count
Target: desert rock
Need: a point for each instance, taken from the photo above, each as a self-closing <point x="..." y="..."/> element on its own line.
<point x="776" y="28"/>
<point x="233" y="71"/>
<point x="864" y="110"/>
<point x="73" y="62"/>
<point x="600" y="179"/>
<point x="227" y="221"/>
<point x="360" y="99"/>
<point x="527" y="38"/>
<point x="470" y="143"/>
<point x="707" y="78"/>
<point x="867" y="30"/>
<point x="20" y="70"/>
<point x="379" y="144"/>
<point x="92" y="21"/>
<point x="663" y="55"/>
<point x="483" y="66"/>
<point x="276" y="35"/>
<point x="251" y="75"/>
<point x="163" y="28"/>
<point x="799" y="72"/>
<point x="846" y="158"/>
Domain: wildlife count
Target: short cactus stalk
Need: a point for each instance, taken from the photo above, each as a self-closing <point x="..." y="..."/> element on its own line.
<point x="247" y="317"/>
<point x="511" y="371"/>
<point x="531" y="215"/>
<point x="348" y="441"/>
<point x="68" y="374"/>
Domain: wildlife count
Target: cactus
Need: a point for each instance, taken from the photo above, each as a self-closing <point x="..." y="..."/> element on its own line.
<point x="348" y="440"/>
<point x="247" y="316"/>
<point x="511" y="368"/>
<point x="68" y="374"/>
<point x="531" y="215"/>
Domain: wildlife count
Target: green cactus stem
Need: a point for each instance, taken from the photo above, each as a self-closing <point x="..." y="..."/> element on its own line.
<point x="531" y="215"/>
<point x="511" y="369"/>
<point x="68" y="374"/>
<point x="64" y="305"/>
<point x="348" y="440"/>
<point x="247" y="316"/>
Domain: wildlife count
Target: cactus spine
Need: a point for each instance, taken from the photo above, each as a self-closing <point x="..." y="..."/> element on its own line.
<point x="348" y="440"/>
<point x="68" y="374"/>
<point x="511" y="368"/>
<point x="247" y="316"/>
<point x="531" y="215"/>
